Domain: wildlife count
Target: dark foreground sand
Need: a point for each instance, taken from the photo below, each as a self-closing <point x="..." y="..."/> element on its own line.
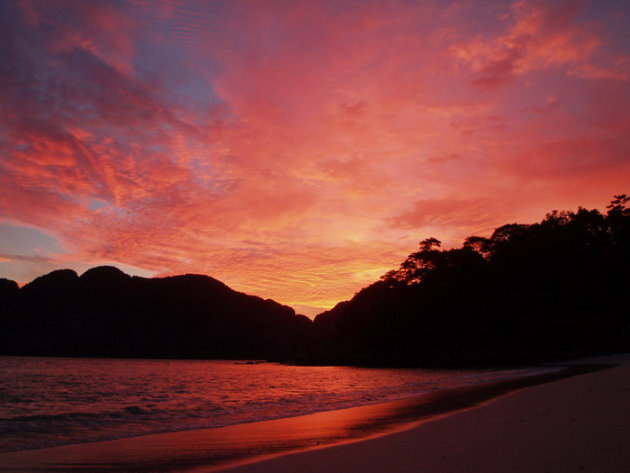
<point x="577" y="423"/>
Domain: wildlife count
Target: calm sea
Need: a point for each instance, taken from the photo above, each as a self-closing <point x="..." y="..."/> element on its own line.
<point x="54" y="401"/>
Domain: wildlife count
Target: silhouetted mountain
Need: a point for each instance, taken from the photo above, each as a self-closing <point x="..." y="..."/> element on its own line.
<point x="551" y="290"/>
<point x="8" y="288"/>
<point x="8" y="293"/>
<point x="105" y="312"/>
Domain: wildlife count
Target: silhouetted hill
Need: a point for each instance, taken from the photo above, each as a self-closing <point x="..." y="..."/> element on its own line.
<point x="8" y="292"/>
<point x="106" y="312"/>
<point x="8" y="288"/>
<point x="550" y="290"/>
<point x="545" y="291"/>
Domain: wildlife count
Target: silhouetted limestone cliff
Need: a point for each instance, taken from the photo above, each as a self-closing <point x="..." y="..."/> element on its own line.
<point x="106" y="312"/>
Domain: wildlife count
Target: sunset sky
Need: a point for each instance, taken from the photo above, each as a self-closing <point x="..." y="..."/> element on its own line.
<point x="297" y="150"/>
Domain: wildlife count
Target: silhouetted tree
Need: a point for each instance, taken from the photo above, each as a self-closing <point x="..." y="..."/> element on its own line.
<point x="618" y="205"/>
<point x="527" y="293"/>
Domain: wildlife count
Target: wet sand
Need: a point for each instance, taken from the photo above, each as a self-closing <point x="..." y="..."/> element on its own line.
<point x="213" y="449"/>
<point x="578" y="424"/>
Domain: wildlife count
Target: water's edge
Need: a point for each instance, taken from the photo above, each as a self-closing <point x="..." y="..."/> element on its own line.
<point x="216" y="448"/>
<point x="48" y="402"/>
<point x="400" y="415"/>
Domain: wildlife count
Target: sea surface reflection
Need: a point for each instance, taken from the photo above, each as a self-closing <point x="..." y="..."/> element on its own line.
<point x="56" y="401"/>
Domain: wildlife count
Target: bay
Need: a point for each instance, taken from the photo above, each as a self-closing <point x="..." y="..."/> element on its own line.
<point x="48" y="402"/>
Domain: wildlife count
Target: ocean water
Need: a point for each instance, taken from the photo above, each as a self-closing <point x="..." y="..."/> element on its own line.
<point x="55" y="401"/>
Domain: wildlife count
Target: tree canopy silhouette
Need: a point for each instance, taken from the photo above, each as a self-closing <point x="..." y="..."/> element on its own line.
<point x="547" y="290"/>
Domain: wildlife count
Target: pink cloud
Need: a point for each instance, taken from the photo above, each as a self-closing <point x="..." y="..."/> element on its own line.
<point x="102" y="28"/>
<point x="476" y="212"/>
<point x="539" y="35"/>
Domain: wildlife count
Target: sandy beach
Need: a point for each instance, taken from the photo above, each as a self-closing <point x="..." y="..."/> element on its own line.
<point x="548" y="422"/>
<point x="579" y="424"/>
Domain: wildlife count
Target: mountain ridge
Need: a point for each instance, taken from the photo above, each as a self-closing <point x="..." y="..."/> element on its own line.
<point x="526" y="294"/>
<point x="105" y="312"/>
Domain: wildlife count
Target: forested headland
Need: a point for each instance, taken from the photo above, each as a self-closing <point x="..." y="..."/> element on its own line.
<point x="550" y="290"/>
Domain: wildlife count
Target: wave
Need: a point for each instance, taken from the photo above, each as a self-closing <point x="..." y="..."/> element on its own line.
<point x="87" y="400"/>
<point x="75" y="416"/>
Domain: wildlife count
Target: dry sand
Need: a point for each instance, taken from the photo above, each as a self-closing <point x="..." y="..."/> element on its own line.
<point x="579" y="424"/>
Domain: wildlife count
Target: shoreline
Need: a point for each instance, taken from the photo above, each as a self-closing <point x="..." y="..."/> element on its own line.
<point x="119" y="421"/>
<point x="580" y="423"/>
<point x="225" y="447"/>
